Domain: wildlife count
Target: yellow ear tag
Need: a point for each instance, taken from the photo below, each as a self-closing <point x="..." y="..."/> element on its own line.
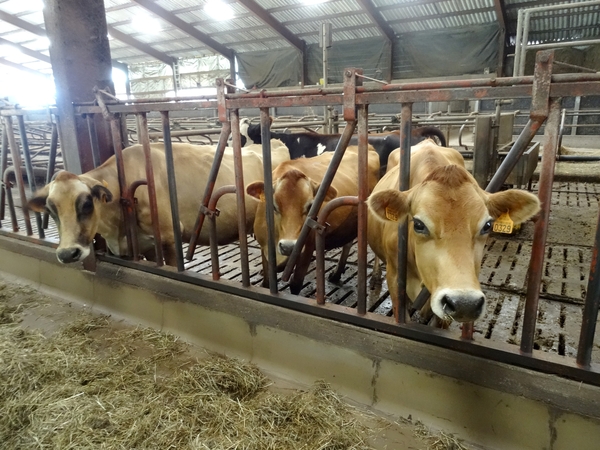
<point x="262" y="197"/>
<point x="105" y="184"/>
<point x="503" y="224"/>
<point x="391" y="215"/>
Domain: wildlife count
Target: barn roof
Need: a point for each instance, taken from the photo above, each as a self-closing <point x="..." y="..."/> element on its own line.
<point x="150" y="30"/>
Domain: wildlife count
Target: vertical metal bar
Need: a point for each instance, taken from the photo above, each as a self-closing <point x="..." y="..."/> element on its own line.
<point x="512" y="158"/>
<point x="363" y="193"/>
<point x="29" y="170"/>
<point x="575" y="119"/>
<point x="172" y="189"/>
<point x="16" y="160"/>
<point x="3" y="166"/>
<point x="404" y="185"/>
<point x="518" y="43"/>
<point x="590" y="309"/>
<point x="132" y="246"/>
<point x="241" y="195"/>
<point x="538" y="249"/>
<point x="338" y="154"/>
<point x="214" y="247"/>
<point x="124" y="130"/>
<point x="320" y="266"/>
<point x="524" y="40"/>
<point x="265" y="135"/>
<point x="93" y="139"/>
<point x="51" y="163"/>
<point x="210" y="185"/>
<point x="145" y="141"/>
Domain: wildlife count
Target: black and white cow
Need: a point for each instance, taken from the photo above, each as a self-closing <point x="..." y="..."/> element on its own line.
<point x="308" y="144"/>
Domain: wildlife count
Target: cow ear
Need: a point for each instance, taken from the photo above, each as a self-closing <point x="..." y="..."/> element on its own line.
<point x="331" y="192"/>
<point x="102" y="193"/>
<point x="389" y="205"/>
<point x="520" y="205"/>
<point x="256" y="190"/>
<point x="38" y="202"/>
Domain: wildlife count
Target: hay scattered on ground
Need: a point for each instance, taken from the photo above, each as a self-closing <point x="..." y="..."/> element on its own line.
<point x="91" y="386"/>
<point x="438" y="440"/>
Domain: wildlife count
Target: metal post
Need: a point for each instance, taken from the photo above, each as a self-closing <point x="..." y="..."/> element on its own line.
<point x="525" y="38"/>
<point x="172" y="189"/>
<point x="325" y="42"/>
<point x="51" y="163"/>
<point x="16" y="160"/>
<point x="143" y="139"/>
<point x="29" y="170"/>
<point x="363" y="193"/>
<point x="590" y="309"/>
<point x="404" y="185"/>
<point x="518" y="44"/>
<point x="241" y="195"/>
<point x="3" y="166"/>
<point x="575" y="119"/>
<point x="541" y="227"/>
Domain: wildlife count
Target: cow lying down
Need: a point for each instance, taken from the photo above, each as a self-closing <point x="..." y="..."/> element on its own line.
<point x="450" y="218"/>
<point x="83" y="205"/>
<point x="295" y="184"/>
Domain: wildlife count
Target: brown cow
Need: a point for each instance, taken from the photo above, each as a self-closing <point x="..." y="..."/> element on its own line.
<point x="295" y="183"/>
<point x="83" y="205"/>
<point x="450" y="217"/>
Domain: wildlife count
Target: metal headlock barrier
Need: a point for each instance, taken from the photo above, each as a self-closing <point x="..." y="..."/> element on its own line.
<point x="545" y="90"/>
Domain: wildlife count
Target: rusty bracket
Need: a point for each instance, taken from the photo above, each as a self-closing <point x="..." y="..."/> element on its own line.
<point x="210" y="212"/>
<point x="312" y="223"/>
<point x="223" y="87"/>
<point x="351" y="81"/>
<point x="542" y="77"/>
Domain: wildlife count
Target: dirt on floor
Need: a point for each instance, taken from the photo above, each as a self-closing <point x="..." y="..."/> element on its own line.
<point x="40" y="410"/>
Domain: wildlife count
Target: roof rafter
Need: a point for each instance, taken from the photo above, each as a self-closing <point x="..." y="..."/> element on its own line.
<point x="267" y="18"/>
<point x="376" y="17"/>
<point x="186" y="27"/>
<point x="131" y="41"/>
<point x="466" y="12"/>
<point x="26" y="51"/>
<point x="23" y="68"/>
<point x="23" y="24"/>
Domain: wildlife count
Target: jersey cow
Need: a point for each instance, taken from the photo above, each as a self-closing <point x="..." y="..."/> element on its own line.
<point x="449" y="217"/>
<point x="308" y="144"/>
<point x="83" y="205"/>
<point x="295" y="184"/>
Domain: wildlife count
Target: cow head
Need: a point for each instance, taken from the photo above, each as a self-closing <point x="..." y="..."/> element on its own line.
<point x="73" y="203"/>
<point x="293" y="195"/>
<point x="450" y="218"/>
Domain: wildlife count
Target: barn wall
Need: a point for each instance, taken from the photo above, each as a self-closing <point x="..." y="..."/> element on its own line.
<point x="489" y="403"/>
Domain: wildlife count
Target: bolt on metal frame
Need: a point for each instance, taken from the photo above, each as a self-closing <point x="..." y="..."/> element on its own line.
<point x="545" y="89"/>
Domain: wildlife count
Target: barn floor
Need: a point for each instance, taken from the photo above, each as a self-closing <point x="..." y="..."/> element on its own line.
<point x="503" y="274"/>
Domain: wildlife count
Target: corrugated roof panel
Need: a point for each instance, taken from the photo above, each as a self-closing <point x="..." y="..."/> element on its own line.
<point x="313" y="12"/>
<point x="116" y="3"/>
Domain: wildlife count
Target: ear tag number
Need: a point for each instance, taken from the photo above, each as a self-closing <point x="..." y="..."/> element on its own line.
<point x="503" y="224"/>
<point x="391" y="215"/>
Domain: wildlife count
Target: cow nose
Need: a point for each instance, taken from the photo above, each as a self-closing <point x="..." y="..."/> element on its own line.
<point x="463" y="307"/>
<point x="68" y="255"/>
<point x="286" y="246"/>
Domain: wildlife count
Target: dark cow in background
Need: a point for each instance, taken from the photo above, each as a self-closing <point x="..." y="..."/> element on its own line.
<point x="308" y="144"/>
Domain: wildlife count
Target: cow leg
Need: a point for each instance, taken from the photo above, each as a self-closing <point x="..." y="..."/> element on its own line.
<point x="341" y="266"/>
<point x="376" y="276"/>
<point x="170" y="254"/>
<point x="302" y="266"/>
<point x="265" y="271"/>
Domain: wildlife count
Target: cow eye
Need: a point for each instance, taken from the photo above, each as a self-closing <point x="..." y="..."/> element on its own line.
<point x="487" y="227"/>
<point x="87" y="207"/>
<point x="420" y="227"/>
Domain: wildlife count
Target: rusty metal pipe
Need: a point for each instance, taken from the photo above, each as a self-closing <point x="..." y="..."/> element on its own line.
<point x="540" y="233"/>
<point x="16" y="160"/>
<point x="590" y="309"/>
<point x="3" y="166"/>
<point x="338" y="154"/>
<point x="265" y="135"/>
<point x="145" y="141"/>
<point x="29" y="171"/>
<point x="213" y="213"/>
<point x="320" y="240"/>
<point x="93" y="139"/>
<point x="172" y="182"/>
<point x="241" y="195"/>
<point x="404" y="185"/>
<point x="363" y="193"/>
<point x="51" y="164"/>
<point x="9" y="198"/>
<point x="210" y="185"/>
<point x="128" y="202"/>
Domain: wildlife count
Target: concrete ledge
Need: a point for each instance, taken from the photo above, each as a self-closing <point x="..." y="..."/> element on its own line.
<point x="490" y="403"/>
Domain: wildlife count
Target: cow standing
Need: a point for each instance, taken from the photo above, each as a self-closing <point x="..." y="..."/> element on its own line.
<point x="295" y="184"/>
<point x="449" y="217"/>
<point x="83" y="205"/>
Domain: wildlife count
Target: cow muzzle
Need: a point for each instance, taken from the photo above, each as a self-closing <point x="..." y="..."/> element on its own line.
<point x="71" y="254"/>
<point x="286" y="246"/>
<point x="462" y="305"/>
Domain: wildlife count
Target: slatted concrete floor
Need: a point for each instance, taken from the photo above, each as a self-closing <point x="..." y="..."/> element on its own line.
<point x="503" y="274"/>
